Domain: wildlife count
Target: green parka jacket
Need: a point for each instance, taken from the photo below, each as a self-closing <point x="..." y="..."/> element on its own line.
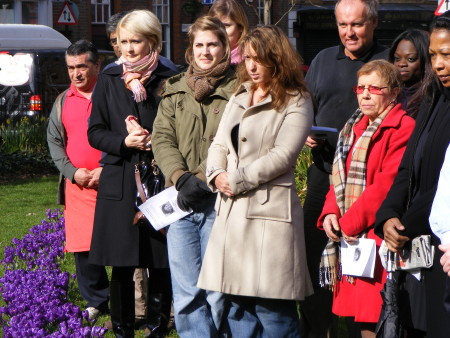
<point x="185" y="128"/>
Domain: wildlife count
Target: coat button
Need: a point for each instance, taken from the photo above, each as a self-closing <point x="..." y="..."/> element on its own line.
<point x="243" y="139"/>
<point x="204" y="139"/>
<point x="211" y="137"/>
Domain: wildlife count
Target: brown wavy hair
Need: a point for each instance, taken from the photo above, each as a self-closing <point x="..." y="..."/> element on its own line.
<point x="274" y="51"/>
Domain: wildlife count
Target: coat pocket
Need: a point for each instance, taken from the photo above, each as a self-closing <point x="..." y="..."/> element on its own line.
<point x="110" y="185"/>
<point x="271" y="202"/>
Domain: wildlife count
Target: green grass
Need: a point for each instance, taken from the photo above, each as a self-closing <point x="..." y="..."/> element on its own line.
<point x="22" y="205"/>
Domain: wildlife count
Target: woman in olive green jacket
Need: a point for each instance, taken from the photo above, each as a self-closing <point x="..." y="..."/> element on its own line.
<point x="188" y="116"/>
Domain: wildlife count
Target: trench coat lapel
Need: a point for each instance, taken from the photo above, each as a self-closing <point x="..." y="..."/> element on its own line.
<point x="242" y="99"/>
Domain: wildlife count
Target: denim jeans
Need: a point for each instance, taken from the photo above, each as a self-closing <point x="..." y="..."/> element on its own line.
<point x="254" y="317"/>
<point x="198" y="313"/>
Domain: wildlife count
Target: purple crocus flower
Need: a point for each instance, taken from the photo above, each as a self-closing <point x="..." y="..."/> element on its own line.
<point x="35" y="290"/>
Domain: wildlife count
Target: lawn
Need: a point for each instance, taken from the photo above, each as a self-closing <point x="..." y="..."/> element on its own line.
<point x="23" y="204"/>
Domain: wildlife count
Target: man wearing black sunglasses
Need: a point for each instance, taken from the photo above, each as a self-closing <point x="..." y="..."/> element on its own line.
<point x="331" y="76"/>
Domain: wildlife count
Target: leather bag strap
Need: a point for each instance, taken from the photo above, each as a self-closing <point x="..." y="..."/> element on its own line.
<point x="137" y="176"/>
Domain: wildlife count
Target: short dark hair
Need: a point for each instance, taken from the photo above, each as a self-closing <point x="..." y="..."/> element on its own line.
<point x="84" y="47"/>
<point x="441" y="22"/>
<point x="113" y="21"/>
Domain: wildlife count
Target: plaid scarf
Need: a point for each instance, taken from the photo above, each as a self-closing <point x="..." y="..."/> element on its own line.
<point x="136" y="74"/>
<point x="347" y="186"/>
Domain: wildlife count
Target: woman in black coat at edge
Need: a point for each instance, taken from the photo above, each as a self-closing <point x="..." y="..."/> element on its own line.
<point x="124" y="106"/>
<point x="404" y="213"/>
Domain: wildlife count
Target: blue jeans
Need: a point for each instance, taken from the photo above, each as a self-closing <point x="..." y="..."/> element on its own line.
<point x="198" y="313"/>
<point x="254" y="317"/>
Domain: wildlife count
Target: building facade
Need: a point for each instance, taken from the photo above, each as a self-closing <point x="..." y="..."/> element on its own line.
<point x="310" y="24"/>
<point x="91" y="16"/>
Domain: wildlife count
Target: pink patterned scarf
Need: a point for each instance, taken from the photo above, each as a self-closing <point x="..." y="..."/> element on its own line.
<point x="236" y="56"/>
<point x="135" y="74"/>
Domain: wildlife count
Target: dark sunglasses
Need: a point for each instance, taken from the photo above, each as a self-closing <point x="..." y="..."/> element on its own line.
<point x="372" y="89"/>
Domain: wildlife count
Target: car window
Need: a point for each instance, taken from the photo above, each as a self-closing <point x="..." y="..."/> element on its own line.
<point x="53" y="68"/>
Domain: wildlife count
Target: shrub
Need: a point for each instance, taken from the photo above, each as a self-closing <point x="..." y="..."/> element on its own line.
<point x="28" y="135"/>
<point x="304" y="160"/>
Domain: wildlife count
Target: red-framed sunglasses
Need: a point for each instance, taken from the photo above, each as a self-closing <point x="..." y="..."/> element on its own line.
<point x="372" y="89"/>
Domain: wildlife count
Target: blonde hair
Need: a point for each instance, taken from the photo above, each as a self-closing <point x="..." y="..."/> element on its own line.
<point x="144" y="22"/>
<point x="207" y="23"/>
<point x="274" y="51"/>
<point x="232" y="9"/>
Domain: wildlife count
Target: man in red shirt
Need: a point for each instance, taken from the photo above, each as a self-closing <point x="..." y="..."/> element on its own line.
<point x="79" y="168"/>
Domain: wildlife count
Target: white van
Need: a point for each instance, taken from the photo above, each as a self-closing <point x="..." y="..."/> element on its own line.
<point x="32" y="70"/>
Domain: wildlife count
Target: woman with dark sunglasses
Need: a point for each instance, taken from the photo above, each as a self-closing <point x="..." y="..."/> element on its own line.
<point x="369" y="150"/>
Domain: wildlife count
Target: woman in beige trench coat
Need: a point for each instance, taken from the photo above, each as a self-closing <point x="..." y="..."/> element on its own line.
<point x="256" y="248"/>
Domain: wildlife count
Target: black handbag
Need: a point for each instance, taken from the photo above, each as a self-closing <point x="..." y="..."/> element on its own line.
<point x="149" y="182"/>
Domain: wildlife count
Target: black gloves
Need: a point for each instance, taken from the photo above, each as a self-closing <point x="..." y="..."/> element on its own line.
<point x="193" y="193"/>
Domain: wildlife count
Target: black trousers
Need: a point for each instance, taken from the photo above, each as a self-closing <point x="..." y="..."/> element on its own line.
<point x="92" y="281"/>
<point x="447" y="295"/>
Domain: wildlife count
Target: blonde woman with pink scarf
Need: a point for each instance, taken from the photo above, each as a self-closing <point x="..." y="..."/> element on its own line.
<point x="124" y="106"/>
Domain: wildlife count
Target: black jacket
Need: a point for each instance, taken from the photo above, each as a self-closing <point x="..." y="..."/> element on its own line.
<point x="115" y="241"/>
<point x="411" y="196"/>
<point x="414" y="211"/>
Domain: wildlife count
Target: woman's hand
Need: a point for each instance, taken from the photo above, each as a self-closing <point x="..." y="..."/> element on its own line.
<point x="132" y="124"/>
<point x="393" y="239"/>
<point x="139" y="139"/>
<point x="332" y="227"/>
<point x="221" y="183"/>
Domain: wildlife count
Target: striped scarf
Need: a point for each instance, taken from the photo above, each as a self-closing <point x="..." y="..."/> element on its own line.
<point x="347" y="186"/>
<point x="136" y="74"/>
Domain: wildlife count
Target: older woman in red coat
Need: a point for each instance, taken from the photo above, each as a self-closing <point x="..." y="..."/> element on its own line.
<point x="369" y="151"/>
